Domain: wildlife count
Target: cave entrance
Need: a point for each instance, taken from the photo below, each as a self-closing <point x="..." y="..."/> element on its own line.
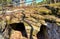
<point x="19" y="27"/>
<point x="42" y="34"/>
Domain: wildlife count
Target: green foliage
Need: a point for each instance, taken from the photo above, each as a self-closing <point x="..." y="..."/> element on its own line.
<point x="43" y="2"/>
<point x="48" y="1"/>
<point x="0" y="1"/>
<point x="5" y="1"/>
<point x="9" y="1"/>
<point x="40" y="3"/>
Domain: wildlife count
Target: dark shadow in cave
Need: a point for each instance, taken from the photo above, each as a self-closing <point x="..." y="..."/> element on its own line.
<point x="53" y="10"/>
<point x="41" y="34"/>
<point x="50" y="21"/>
<point x="19" y="27"/>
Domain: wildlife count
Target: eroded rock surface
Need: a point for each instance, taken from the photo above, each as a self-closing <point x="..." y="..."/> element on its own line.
<point x="35" y="16"/>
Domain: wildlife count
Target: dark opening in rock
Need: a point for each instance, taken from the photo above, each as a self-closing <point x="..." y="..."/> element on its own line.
<point x="19" y="27"/>
<point x="41" y="33"/>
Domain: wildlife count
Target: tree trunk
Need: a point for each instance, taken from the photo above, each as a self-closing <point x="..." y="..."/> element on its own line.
<point x="54" y="1"/>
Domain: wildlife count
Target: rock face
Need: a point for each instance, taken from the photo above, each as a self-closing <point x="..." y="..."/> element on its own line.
<point x="49" y="31"/>
<point x="32" y="18"/>
<point x="16" y="35"/>
<point x="1" y="37"/>
<point x="53" y="31"/>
